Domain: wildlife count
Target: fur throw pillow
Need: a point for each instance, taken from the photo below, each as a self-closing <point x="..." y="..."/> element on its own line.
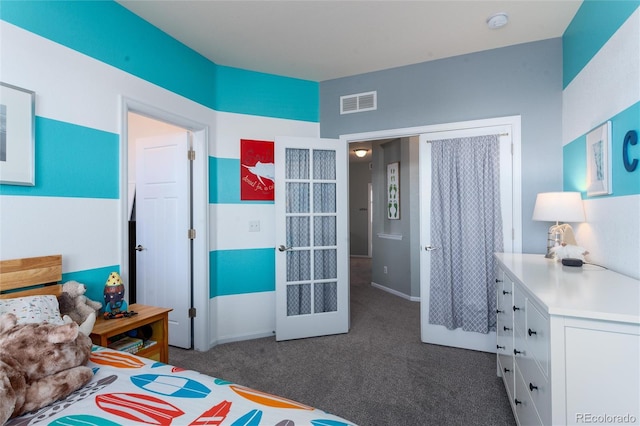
<point x="39" y="364"/>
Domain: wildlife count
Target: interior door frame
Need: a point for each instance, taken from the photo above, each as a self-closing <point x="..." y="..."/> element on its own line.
<point x="200" y="207"/>
<point x="513" y="121"/>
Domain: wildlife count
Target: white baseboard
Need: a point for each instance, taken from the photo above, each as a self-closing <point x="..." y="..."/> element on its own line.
<point x="243" y="337"/>
<point x="395" y="292"/>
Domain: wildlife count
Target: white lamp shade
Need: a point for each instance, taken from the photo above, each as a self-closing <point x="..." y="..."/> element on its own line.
<point x="559" y="207"/>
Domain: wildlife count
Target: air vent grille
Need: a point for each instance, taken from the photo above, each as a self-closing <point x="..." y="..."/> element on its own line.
<point x="358" y="103"/>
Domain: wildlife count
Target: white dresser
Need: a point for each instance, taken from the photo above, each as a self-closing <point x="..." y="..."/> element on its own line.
<point x="568" y="342"/>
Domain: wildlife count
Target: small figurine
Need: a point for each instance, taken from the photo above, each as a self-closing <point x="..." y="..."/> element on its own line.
<point x="114" y="294"/>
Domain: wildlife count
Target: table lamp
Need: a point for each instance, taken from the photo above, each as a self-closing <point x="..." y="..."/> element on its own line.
<point x="559" y="207"/>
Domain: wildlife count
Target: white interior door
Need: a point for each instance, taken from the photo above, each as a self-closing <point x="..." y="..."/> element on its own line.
<point x="312" y="275"/>
<point x="438" y="334"/>
<point x="162" y="222"/>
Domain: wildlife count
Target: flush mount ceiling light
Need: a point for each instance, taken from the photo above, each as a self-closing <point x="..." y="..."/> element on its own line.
<point x="360" y="152"/>
<point x="497" y="20"/>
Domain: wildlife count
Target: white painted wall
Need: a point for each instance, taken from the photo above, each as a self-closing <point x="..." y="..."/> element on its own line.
<point x="608" y="84"/>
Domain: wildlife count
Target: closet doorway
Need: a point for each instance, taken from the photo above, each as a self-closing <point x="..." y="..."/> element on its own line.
<point x="142" y="122"/>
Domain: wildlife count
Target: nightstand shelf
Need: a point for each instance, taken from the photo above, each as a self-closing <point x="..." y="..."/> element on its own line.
<point x="155" y="317"/>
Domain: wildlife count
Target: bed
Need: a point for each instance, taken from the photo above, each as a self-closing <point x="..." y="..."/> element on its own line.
<point x="127" y="389"/>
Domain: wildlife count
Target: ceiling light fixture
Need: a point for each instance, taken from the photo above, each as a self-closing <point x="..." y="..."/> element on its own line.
<point x="360" y="152"/>
<point x="497" y="20"/>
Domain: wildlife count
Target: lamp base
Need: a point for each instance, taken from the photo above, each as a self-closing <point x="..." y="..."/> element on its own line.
<point x="559" y="235"/>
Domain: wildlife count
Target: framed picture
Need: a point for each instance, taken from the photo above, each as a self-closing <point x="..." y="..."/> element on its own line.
<point x="257" y="170"/>
<point x="599" y="160"/>
<point x="17" y="135"/>
<point x="393" y="191"/>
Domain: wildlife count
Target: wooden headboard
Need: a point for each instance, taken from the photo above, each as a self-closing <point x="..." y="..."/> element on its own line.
<point x="16" y="274"/>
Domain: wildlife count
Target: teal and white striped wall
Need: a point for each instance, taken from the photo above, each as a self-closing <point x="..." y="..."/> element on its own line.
<point x="601" y="73"/>
<point x="80" y="58"/>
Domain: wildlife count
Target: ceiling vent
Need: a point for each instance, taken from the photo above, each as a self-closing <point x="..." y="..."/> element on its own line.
<point x="359" y="102"/>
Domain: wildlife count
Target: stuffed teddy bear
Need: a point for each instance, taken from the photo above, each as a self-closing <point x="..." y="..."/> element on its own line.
<point x="76" y="307"/>
<point x="39" y="364"/>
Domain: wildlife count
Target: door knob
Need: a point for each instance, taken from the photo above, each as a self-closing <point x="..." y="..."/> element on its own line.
<point x="139" y="247"/>
<point x="283" y="248"/>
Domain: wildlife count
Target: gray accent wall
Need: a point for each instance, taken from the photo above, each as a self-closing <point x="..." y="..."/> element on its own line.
<point x="523" y="80"/>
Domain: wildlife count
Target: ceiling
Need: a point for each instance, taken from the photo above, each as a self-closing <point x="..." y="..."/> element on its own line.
<point x="328" y="39"/>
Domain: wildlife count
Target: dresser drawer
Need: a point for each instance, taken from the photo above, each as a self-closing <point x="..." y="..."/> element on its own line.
<point x="518" y="308"/>
<point x="504" y="315"/>
<point x="537" y="336"/>
<point x="507" y="371"/>
<point x="525" y="410"/>
<point x="537" y="386"/>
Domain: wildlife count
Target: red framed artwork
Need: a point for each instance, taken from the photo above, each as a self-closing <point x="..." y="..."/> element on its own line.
<point x="257" y="170"/>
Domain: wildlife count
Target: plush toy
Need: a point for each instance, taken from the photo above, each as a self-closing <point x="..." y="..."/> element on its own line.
<point x="76" y="307"/>
<point x="114" y="294"/>
<point x="39" y="364"/>
<point x="569" y="251"/>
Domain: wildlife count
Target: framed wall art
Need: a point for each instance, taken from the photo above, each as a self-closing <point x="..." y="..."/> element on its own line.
<point x="17" y="135"/>
<point x="599" y="160"/>
<point x="393" y="191"/>
<point x="257" y="170"/>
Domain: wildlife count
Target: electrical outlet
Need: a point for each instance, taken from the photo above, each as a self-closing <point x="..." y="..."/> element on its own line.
<point x="254" y="226"/>
<point x="385" y="269"/>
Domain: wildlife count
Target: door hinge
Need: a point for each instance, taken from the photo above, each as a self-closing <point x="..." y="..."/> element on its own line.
<point x="191" y="234"/>
<point x="191" y="155"/>
<point x="192" y="312"/>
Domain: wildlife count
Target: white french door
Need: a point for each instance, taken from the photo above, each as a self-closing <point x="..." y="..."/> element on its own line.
<point x="312" y="275"/>
<point x="163" y="259"/>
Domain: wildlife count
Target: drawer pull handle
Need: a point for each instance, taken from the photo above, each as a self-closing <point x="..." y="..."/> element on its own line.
<point x="505" y="292"/>
<point x="500" y="347"/>
<point x="506" y="328"/>
<point x="516" y="352"/>
<point x="532" y="387"/>
<point x="498" y="311"/>
<point x="515" y="308"/>
<point x="506" y="370"/>
<point x="517" y="401"/>
<point x="531" y="332"/>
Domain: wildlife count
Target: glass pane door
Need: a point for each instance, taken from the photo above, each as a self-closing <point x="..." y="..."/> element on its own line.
<point x="311" y="231"/>
<point x="312" y="279"/>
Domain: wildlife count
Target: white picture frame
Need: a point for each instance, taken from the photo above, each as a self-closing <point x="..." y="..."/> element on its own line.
<point x="598" y="147"/>
<point x="17" y="135"/>
<point x="393" y="191"/>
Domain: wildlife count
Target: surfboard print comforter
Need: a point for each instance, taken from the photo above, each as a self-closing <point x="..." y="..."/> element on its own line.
<point x="128" y="390"/>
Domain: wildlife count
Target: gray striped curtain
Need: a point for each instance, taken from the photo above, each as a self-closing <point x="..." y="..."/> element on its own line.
<point x="466" y="227"/>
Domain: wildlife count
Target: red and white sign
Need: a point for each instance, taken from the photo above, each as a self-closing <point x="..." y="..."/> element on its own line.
<point x="257" y="170"/>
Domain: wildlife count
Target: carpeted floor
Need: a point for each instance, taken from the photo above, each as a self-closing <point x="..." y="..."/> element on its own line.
<point x="377" y="374"/>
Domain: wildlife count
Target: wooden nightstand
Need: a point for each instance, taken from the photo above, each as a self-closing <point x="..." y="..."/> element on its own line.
<point x="157" y="318"/>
